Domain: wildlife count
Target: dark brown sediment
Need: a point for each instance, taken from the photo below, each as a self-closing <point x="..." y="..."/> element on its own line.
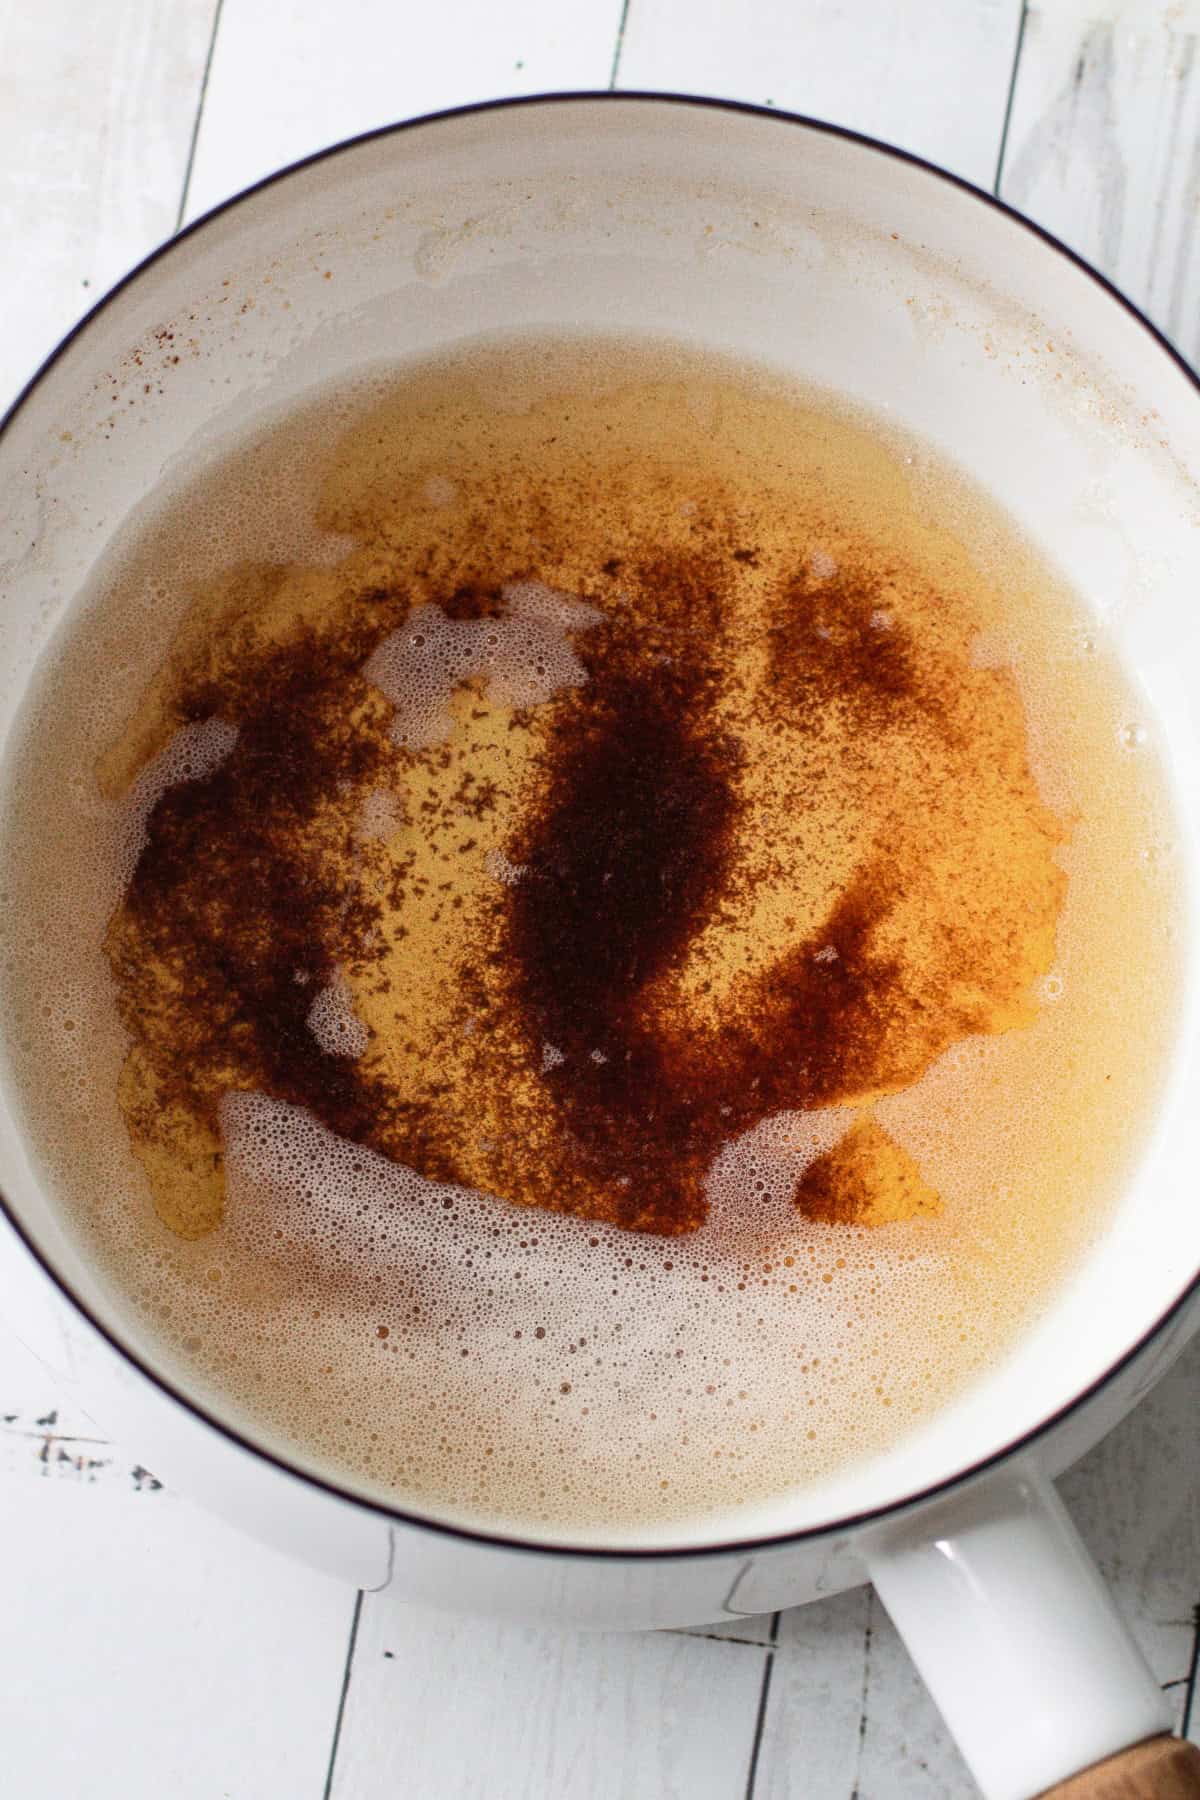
<point x="562" y="999"/>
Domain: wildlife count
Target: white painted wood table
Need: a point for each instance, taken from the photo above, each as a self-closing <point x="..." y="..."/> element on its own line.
<point x="145" y="1650"/>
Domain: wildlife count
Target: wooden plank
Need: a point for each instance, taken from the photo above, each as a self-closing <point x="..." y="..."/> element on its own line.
<point x="811" y="1738"/>
<point x="31" y="1314"/>
<point x="97" y="105"/>
<point x="465" y="1707"/>
<point x="1104" y="145"/>
<point x="848" y="1715"/>
<point x="46" y="1437"/>
<point x="928" y="75"/>
<point x="289" y="76"/>
<point x="147" y="1650"/>
<point x="1136" y="1500"/>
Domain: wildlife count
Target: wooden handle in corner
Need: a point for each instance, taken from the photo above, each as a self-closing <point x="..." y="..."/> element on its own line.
<point x="1163" y="1768"/>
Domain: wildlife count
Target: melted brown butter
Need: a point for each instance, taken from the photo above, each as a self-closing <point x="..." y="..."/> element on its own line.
<point x="778" y="847"/>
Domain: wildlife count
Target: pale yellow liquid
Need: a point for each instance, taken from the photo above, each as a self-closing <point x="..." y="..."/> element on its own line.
<point x="443" y="1345"/>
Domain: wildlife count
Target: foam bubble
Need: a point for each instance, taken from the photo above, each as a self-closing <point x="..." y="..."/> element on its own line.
<point x="523" y="657"/>
<point x="501" y="869"/>
<point x="194" y="752"/>
<point x="383" y="814"/>
<point x="332" y="1021"/>
<point x="577" y="1336"/>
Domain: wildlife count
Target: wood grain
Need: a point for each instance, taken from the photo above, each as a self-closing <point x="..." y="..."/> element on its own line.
<point x="147" y="1650"/>
<point x="848" y="1715"/>
<point x="473" y="1707"/>
<point x="291" y="76"/>
<point x="1104" y="146"/>
<point x="1163" y="1768"/>
<point x="1136" y="1501"/>
<point x="930" y="77"/>
<point x="96" y="111"/>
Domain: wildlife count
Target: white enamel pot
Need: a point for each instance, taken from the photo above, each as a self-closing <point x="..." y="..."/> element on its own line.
<point x="870" y="273"/>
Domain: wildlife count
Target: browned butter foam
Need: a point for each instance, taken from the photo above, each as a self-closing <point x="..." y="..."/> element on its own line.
<point x="615" y="908"/>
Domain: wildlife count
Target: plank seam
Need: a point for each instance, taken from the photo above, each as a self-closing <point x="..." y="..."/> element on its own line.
<point x="718" y="1637"/>
<point x="619" y="45"/>
<point x="764" y="1695"/>
<point x="868" y="1635"/>
<point x="1189" y="1698"/>
<point x="341" y="1711"/>
<point x="1012" y="89"/>
<point x="191" y="156"/>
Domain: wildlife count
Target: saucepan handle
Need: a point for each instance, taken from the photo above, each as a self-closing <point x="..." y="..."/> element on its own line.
<point x="1020" y="1644"/>
<point x="1163" y="1768"/>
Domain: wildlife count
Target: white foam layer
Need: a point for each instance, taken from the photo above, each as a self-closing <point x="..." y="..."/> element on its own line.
<point x="194" y="752"/>
<point x="523" y="658"/>
<point x="579" y="1337"/>
<point x="382" y="816"/>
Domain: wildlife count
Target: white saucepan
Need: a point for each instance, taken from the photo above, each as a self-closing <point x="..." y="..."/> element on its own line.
<point x="864" y="270"/>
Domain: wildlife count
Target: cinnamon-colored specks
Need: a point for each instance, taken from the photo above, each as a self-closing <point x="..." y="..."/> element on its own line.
<point x="571" y="1054"/>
